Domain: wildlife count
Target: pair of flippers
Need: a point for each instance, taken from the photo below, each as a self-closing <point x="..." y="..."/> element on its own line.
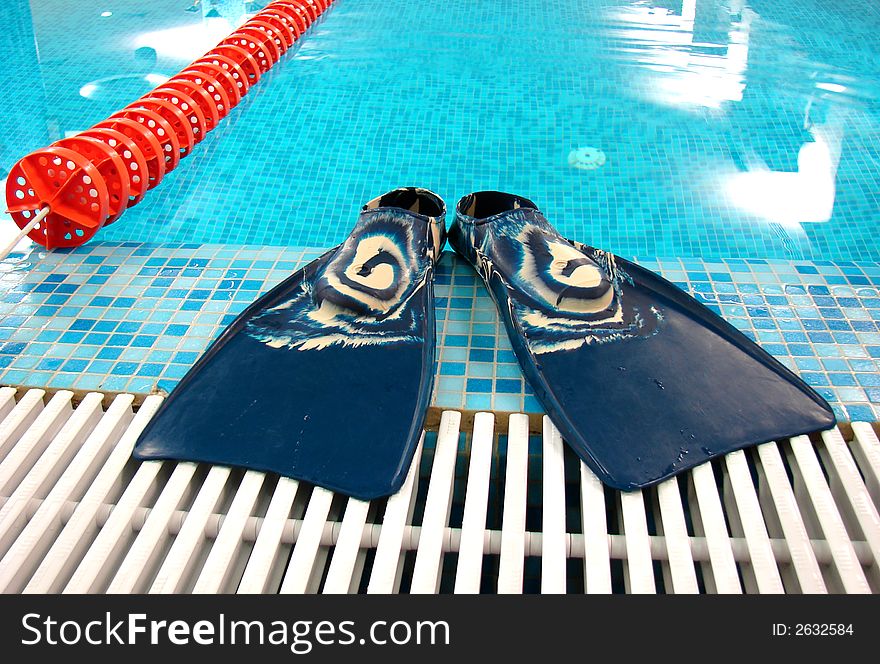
<point x="327" y="377"/>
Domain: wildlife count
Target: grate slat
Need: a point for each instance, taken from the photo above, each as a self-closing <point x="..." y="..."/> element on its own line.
<point x="597" y="559"/>
<point x="218" y="566"/>
<point x="429" y="556"/>
<point x="303" y="560"/>
<point x="36" y="537"/>
<point x="849" y="490"/>
<point x="638" y="566"/>
<point x="256" y="575"/>
<point x="866" y="449"/>
<point x="846" y="563"/>
<point x="473" y="525"/>
<point x="777" y="491"/>
<point x="681" y="575"/>
<point x="7" y="402"/>
<point x="21" y="457"/>
<point x="387" y="564"/>
<point x="554" y="543"/>
<point x="709" y="521"/>
<point x="20" y="419"/>
<point x="513" y="519"/>
<point x="744" y="509"/>
<point x="47" y="469"/>
<point x="178" y="564"/>
<point x="141" y="558"/>
<point x="348" y="546"/>
<point x="100" y="558"/>
<point x="71" y="544"/>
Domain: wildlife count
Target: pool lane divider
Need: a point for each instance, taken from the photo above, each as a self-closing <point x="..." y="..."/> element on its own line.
<point x="63" y="194"/>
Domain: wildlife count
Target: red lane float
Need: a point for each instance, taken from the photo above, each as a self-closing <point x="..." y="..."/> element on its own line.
<point x="289" y="16"/>
<point x="135" y="163"/>
<point x="161" y="130"/>
<point x="260" y="45"/>
<point x="192" y="112"/>
<point x="282" y="26"/>
<point x="110" y="165"/>
<point x="246" y="62"/>
<point x="174" y="117"/>
<point x="63" y="194"/>
<point x="273" y="33"/>
<point x="69" y="185"/>
<point x="295" y="9"/>
<point x="204" y="103"/>
<point x="146" y="142"/>
<point x="229" y="75"/>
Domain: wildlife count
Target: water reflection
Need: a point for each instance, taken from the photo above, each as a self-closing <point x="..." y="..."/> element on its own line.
<point x="96" y="88"/>
<point x="696" y="53"/>
<point x="794" y="197"/>
<point x="189" y="41"/>
<point x="699" y="55"/>
<point x="77" y="62"/>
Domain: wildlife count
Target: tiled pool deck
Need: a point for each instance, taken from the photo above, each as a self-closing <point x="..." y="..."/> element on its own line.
<point x="133" y="317"/>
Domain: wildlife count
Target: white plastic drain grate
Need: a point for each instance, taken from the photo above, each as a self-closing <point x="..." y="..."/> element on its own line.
<point x="481" y="511"/>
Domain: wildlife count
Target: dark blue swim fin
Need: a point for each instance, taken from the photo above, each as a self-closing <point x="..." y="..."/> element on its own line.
<point x="327" y="377"/>
<point x="640" y="379"/>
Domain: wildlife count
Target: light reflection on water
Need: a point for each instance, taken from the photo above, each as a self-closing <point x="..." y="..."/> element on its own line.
<point x="692" y="65"/>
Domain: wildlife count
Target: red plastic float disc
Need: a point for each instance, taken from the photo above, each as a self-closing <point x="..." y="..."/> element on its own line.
<point x="230" y="68"/>
<point x="312" y="7"/>
<point x="201" y="96"/>
<point x="175" y="117"/>
<point x="146" y="141"/>
<point x="257" y="38"/>
<point x="109" y="164"/>
<point x="278" y="37"/>
<point x="286" y="19"/>
<point x="72" y="188"/>
<point x="226" y="84"/>
<point x="295" y="12"/>
<point x="160" y="128"/>
<point x="244" y="59"/>
<point x="300" y="9"/>
<point x="254" y="42"/>
<point x="186" y="104"/>
<point x="262" y="30"/>
<point x="310" y="10"/>
<point x="282" y="25"/>
<point x="135" y="163"/>
<point x="211" y="85"/>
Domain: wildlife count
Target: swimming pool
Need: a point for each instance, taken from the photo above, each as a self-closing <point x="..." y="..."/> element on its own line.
<point x="741" y="161"/>
<point x="730" y="129"/>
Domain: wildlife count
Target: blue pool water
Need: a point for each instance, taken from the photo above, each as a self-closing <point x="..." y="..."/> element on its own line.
<point x="730" y="129"/>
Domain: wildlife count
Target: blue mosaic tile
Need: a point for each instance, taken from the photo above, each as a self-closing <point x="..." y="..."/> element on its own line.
<point x="480" y="370"/>
<point x="452" y="369"/>
<point x="478" y="402"/>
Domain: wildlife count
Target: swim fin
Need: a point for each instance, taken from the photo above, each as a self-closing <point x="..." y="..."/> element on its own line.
<point x="640" y="379"/>
<point x="327" y="377"/>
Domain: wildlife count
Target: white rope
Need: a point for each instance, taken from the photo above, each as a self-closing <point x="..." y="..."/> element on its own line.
<point x="24" y="231"/>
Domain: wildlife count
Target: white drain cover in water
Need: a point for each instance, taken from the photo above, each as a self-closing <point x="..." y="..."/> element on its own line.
<point x="586" y="159"/>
